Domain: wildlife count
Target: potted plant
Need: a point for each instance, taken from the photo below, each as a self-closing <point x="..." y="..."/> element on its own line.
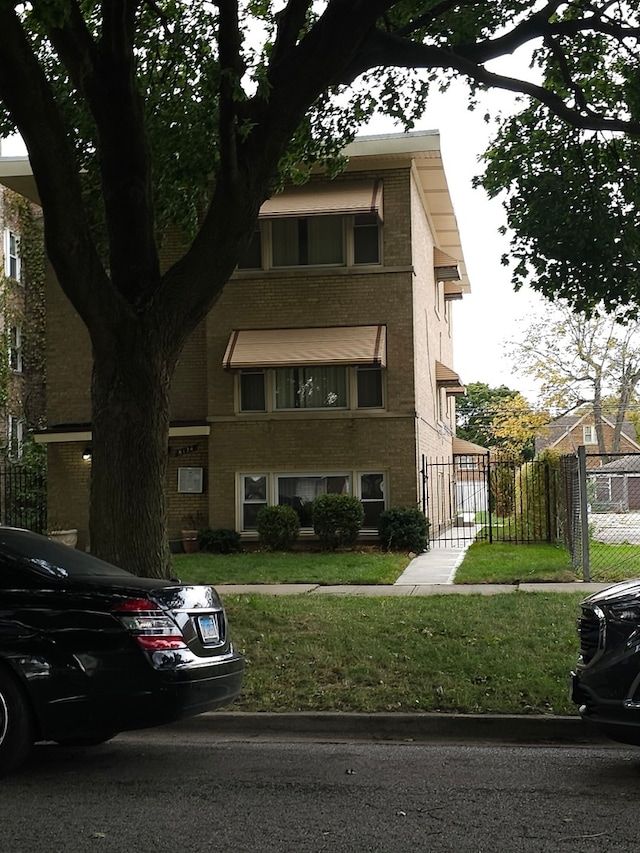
<point x="65" y="535"/>
<point x="192" y="524"/>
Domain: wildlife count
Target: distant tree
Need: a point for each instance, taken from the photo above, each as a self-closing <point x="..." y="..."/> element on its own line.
<point x="581" y="361"/>
<point x="515" y="426"/>
<point x="476" y="410"/>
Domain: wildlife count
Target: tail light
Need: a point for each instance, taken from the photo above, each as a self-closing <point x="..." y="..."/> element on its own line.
<point x="153" y="629"/>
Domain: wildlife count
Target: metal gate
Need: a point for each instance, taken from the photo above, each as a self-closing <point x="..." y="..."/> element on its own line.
<point x="473" y="497"/>
<point x="23" y="498"/>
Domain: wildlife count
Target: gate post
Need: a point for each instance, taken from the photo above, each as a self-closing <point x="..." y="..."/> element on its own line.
<point x="584" y="513"/>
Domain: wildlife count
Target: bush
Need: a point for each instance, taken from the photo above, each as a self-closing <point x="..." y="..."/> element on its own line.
<point x="278" y="527"/>
<point x="219" y="541"/>
<point x="404" y="529"/>
<point x="337" y="520"/>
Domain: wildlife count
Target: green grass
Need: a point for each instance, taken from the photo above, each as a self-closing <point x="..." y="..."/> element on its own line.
<point x="501" y="562"/>
<point x="350" y="567"/>
<point x="614" y="562"/>
<point x="503" y="654"/>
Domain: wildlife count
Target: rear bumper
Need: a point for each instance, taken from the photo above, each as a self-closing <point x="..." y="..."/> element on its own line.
<point x="142" y="702"/>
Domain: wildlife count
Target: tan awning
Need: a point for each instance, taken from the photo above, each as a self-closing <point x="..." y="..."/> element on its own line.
<point x="446" y="267"/>
<point x="445" y="376"/>
<point x="452" y="291"/>
<point x="455" y="390"/>
<point x="290" y="347"/>
<point x="342" y="197"/>
<point x="462" y="447"/>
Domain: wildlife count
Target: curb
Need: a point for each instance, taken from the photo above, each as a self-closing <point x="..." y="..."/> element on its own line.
<point x="441" y="728"/>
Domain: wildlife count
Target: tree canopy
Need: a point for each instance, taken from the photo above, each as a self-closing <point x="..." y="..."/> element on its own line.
<point x="572" y="199"/>
<point x="140" y="113"/>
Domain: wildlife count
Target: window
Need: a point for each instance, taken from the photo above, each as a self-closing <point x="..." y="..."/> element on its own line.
<point x="310" y="241"/>
<point x="12" y="260"/>
<point x="310" y="387"/>
<point x="252" y="391"/>
<point x="589" y="435"/>
<point x="372" y="497"/>
<point x="337" y="240"/>
<point x="300" y="490"/>
<point x="15" y="435"/>
<point x="15" y="349"/>
<point x="369" y="382"/>
<point x="254" y="497"/>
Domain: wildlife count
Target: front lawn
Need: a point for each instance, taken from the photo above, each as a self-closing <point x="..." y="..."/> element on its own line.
<point x="367" y="566"/>
<point x="501" y="654"/>
<point x="502" y="562"/>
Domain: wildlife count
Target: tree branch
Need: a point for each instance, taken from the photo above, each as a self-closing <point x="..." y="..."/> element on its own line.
<point x="27" y="95"/>
<point x="384" y="49"/>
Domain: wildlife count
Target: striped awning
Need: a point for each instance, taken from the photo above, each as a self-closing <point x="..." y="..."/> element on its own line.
<point x="445" y="376"/>
<point x="446" y="267"/>
<point x="341" y="197"/>
<point x="291" y="347"/>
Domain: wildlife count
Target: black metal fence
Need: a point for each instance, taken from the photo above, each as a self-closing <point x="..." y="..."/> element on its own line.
<point x="23" y="498"/>
<point x="475" y="497"/>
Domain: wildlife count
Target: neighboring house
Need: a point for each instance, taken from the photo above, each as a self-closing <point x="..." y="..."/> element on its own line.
<point x="615" y="486"/>
<point x="566" y="434"/>
<point x="326" y="365"/>
<point x="21" y="326"/>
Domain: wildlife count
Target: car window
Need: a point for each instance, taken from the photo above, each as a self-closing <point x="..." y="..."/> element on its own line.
<point x="21" y="550"/>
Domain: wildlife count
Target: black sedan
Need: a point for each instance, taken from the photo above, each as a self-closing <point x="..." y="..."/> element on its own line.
<point x="606" y="683"/>
<point x="88" y="650"/>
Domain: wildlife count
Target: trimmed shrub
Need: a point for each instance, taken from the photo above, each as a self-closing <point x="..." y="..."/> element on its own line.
<point x="404" y="529"/>
<point x="337" y="520"/>
<point x="278" y="527"/>
<point x="220" y="540"/>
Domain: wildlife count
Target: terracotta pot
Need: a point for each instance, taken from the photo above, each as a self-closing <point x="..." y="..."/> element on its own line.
<point x="190" y="541"/>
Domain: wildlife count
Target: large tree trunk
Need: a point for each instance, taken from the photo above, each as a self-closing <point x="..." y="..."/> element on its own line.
<point x="130" y="399"/>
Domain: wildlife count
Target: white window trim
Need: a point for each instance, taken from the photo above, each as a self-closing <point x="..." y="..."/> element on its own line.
<point x="8" y="234"/>
<point x="19" y="368"/>
<point x="17" y="424"/>
<point x="592" y="433"/>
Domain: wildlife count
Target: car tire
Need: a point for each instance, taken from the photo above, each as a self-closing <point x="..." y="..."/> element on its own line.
<point x="16" y="724"/>
<point x="96" y="740"/>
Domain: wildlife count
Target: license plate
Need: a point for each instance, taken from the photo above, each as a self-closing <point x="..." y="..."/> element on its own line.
<point x="209" y="629"/>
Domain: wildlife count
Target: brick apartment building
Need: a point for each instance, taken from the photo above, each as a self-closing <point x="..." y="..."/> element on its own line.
<point x="325" y="366"/>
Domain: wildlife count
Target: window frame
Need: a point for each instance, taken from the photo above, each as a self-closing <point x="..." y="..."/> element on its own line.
<point x="15" y="435"/>
<point x="12" y="257"/>
<point x="348" y="237"/>
<point x="269" y="374"/>
<point x="592" y="433"/>
<point x="15" y="349"/>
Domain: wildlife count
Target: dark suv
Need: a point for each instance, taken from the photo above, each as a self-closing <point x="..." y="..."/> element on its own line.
<point x="606" y="683"/>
